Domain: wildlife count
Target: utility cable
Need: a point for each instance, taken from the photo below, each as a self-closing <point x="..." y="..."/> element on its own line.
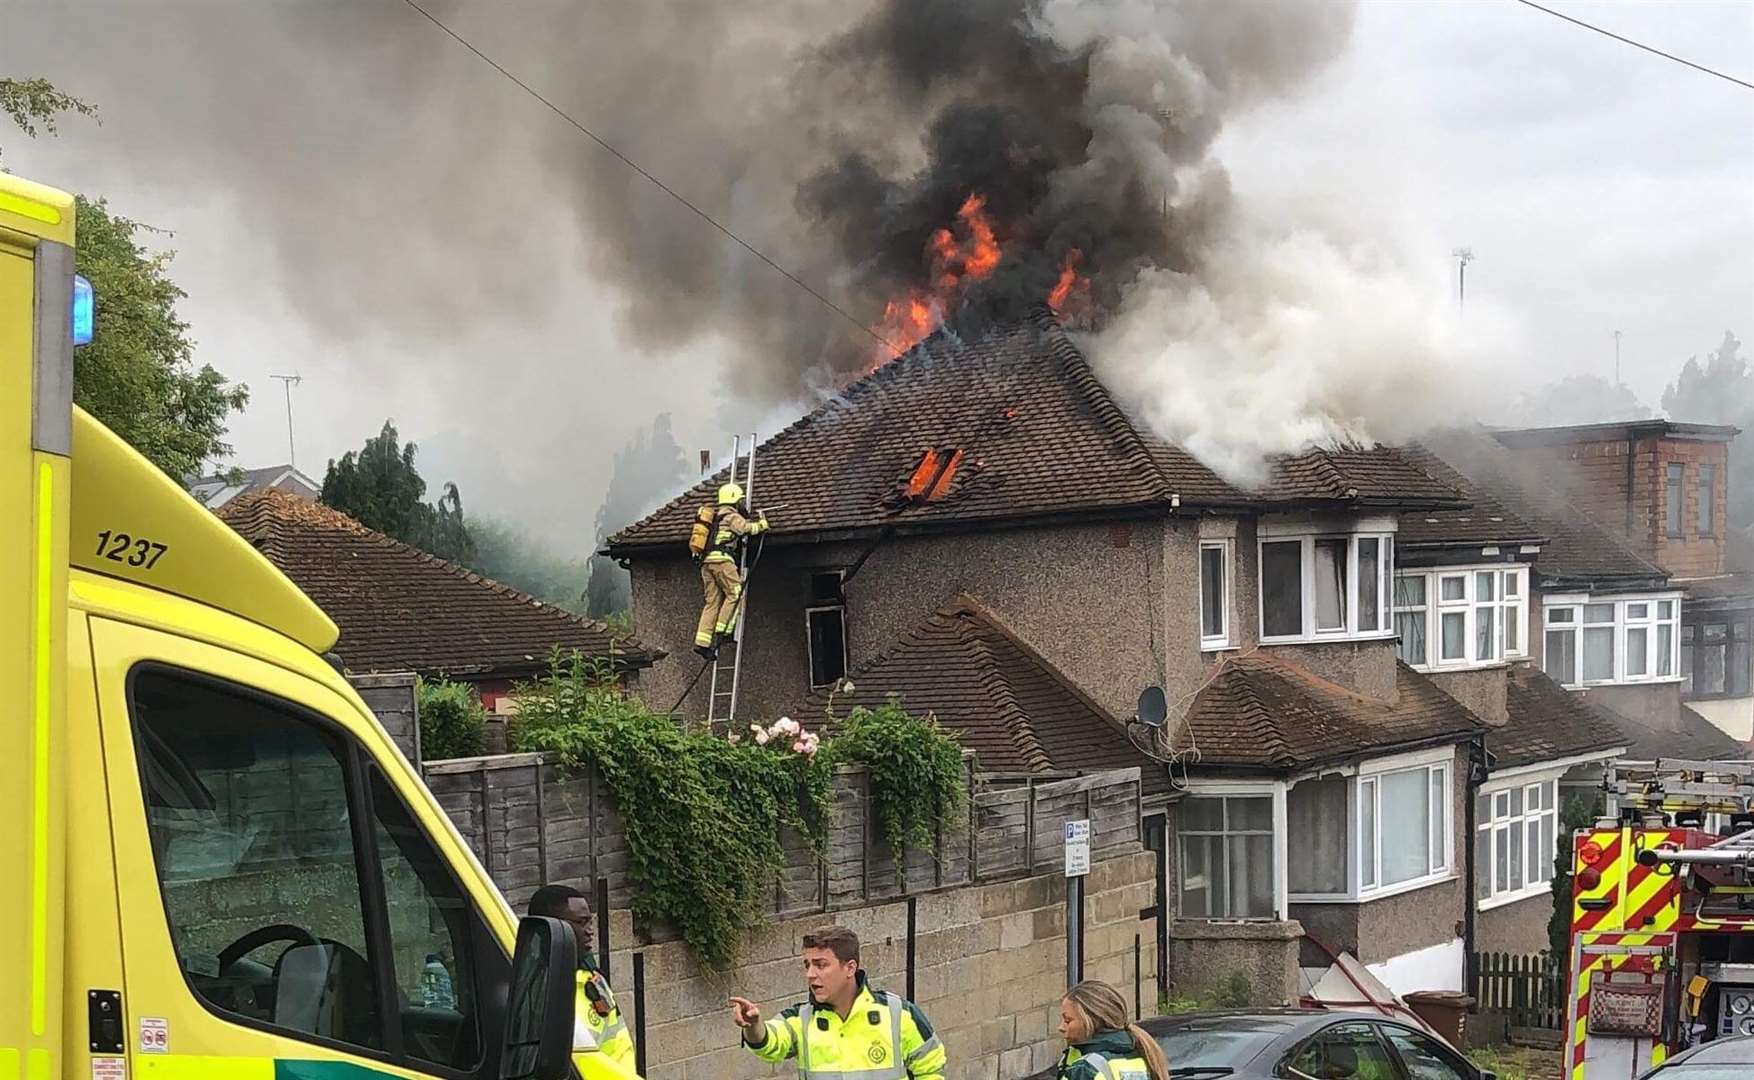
<point x="659" y="184"/>
<point x="1637" y="44"/>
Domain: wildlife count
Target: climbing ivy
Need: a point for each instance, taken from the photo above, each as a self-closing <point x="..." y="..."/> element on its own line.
<point x="704" y="815"/>
<point x="918" y="786"/>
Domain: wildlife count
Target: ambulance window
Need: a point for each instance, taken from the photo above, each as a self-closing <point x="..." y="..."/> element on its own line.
<point x="429" y="938"/>
<point x="252" y="833"/>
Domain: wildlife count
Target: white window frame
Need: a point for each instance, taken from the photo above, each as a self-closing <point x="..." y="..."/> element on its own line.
<point x="1221" y="640"/>
<point x="812" y="609"/>
<point x="1366" y="783"/>
<point x="1468" y="607"/>
<point x="1274" y="789"/>
<point x="1652" y="622"/>
<point x="1385" y="621"/>
<point x="1493" y="829"/>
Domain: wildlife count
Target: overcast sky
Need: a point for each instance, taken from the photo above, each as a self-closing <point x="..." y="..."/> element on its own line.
<point x="1600" y="188"/>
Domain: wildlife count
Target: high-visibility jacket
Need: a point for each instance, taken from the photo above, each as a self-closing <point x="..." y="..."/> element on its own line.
<point x="730" y="529"/>
<point x="884" y="1037"/>
<point x="1109" y="1056"/>
<point x="597" y="1021"/>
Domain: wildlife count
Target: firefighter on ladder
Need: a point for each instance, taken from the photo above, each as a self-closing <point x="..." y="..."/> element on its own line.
<point x="719" y="535"/>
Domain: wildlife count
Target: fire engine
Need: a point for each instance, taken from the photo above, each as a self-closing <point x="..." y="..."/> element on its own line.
<point x="1662" y="927"/>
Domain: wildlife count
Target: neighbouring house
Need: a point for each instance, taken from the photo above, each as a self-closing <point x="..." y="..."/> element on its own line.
<point x="216" y="491"/>
<point x="1664" y="487"/>
<point x="990" y="508"/>
<point x="401" y="609"/>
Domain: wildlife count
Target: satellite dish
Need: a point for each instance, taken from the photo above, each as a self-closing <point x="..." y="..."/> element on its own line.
<point x="1153" y="707"/>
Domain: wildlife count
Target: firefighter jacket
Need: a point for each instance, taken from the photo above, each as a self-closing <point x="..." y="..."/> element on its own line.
<point x="729" y="531"/>
<point x="596" y="1012"/>
<point x="883" y="1038"/>
<point x="1108" y="1056"/>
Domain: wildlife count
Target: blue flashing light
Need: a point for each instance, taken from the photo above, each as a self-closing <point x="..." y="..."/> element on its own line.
<point x="84" y="309"/>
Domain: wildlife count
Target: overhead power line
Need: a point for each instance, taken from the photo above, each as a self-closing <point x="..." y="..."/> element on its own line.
<point x="1637" y="44"/>
<point x="659" y="184"/>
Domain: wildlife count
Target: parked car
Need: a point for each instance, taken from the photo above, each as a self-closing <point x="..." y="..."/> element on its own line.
<point x="1720" y="1059"/>
<point x="1302" y="1044"/>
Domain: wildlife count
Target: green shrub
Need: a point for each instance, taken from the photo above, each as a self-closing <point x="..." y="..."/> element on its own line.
<point x="453" y="722"/>
<point x="918" y="785"/>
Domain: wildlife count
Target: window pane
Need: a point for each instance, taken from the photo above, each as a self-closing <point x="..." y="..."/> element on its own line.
<point x="1532" y="796"/>
<point x="1330" y="584"/>
<point x="248" y="813"/>
<point x="1515" y="795"/>
<point x="1483" y="870"/>
<point x="1282" y="588"/>
<point x="1485" y="633"/>
<point x="1637" y="642"/>
<point x="1512" y="584"/>
<point x="1411" y="648"/>
<point x="1736" y="669"/>
<point x="1410" y="590"/>
<point x="429" y="938"/>
<point x="1406" y="826"/>
<point x="1665" y="649"/>
<point x="1455" y="635"/>
<point x="828" y="645"/>
<point x="1707" y="497"/>
<point x="1251" y="877"/>
<point x="1549" y="844"/>
<point x="1638" y="611"/>
<point x="1483" y="807"/>
<point x="1367" y="832"/>
<point x="1369" y="584"/>
<point x="1598" y="653"/>
<point x="1687" y="669"/>
<point x="1197" y="869"/>
<point x="1212" y="592"/>
<point x="1598" y="613"/>
<point x="1561" y="615"/>
<point x="1454" y="588"/>
<point x="1716" y="632"/>
<point x="1424" y="1058"/>
<point x="1201" y="814"/>
<point x="1249" y="814"/>
<point x="1560" y="661"/>
<point x="1349" y="1051"/>
<point x="1317" y="835"/>
<point x="1439" y="820"/>
<point x="1501" y="859"/>
<point x="1672" y="500"/>
<point x="1513" y="629"/>
<point x="1485" y="587"/>
<point x="1666" y="609"/>
<point x="1538" y="858"/>
<point x="1711" y="680"/>
<point x="1515" y="881"/>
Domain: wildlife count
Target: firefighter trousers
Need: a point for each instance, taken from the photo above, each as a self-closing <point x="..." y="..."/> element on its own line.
<point x="723" y="586"/>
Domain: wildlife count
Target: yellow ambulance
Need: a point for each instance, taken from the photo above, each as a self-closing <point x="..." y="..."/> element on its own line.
<point x="214" y="863"/>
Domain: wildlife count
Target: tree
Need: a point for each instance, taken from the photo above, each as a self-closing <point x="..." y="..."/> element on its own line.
<point x="1721" y="392"/>
<point x="508" y="555"/>
<point x="34" y="102"/>
<point x="1578" y="399"/>
<point x="648" y="469"/>
<point x="379" y="487"/>
<point x="137" y="375"/>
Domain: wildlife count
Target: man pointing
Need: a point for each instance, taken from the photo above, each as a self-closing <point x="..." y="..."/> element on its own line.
<point x="845" y="1028"/>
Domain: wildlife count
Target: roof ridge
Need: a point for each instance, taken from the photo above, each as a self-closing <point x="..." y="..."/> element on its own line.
<point x="1096" y="394"/>
<point x="1259" y="715"/>
<point x="978" y="607"/>
<point x="1011" y="711"/>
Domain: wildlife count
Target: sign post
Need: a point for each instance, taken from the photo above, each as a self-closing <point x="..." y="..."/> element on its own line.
<point x="1077" y="866"/>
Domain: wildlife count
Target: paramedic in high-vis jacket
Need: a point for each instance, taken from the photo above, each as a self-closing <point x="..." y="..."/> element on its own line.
<point x="846" y="1029"/>
<point x="596" y="1020"/>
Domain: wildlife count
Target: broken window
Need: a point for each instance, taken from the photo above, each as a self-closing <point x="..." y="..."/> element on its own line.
<point x="1282" y="588"/>
<point x="825" y="619"/>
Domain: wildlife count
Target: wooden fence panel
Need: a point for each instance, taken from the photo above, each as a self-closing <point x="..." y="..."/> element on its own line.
<point x="1528" y="990"/>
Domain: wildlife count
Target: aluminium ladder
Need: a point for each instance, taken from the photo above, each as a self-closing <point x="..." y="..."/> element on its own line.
<point x="722" y="690"/>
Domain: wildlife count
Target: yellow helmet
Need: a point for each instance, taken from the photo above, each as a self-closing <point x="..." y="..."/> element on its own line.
<point x="730" y="494"/>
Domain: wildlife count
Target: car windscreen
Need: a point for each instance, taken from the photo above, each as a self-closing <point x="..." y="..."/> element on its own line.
<point x="1218" y="1042"/>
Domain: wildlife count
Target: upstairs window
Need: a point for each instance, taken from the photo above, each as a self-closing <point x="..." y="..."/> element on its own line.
<point x="1715" y="658"/>
<point x="1672" y="498"/>
<point x="1215" y="594"/>
<point x="825" y="621"/>
<point x="1613" y="641"/>
<point x="1472" y="615"/>
<point x="1707" y="498"/>
<point x="1319" y="587"/>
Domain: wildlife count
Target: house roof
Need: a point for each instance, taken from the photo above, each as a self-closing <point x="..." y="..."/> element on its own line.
<point x="1631" y="429"/>
<point x="216" y="490"/>
<point x="1005" y="701"/>
<point x="1722" y="591"/>
<point x="1012" y="427"/>
<point x="402" y="609"/>
<point x="1262" y="712"/>
<point x="1527" y="496"/>
<point x="1687" y="736"/>
<point x="1550" y="723"/>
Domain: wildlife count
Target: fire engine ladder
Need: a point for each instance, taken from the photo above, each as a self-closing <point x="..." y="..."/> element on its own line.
<point x="722" y="689"/>
<point x="1675" y="784"/>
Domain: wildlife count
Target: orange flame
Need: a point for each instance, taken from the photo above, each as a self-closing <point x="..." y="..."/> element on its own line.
<point x="1071" y="294"/>
<point x="956" y="261"/>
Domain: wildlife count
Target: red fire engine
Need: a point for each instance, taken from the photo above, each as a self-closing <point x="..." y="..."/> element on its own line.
<point x="1662" y="929"/>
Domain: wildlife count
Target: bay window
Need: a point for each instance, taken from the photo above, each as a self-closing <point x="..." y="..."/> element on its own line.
<point x="1384" y="830"/>
<point x="1517" y="836"/>
<point x="1591" y="642"/>
<point x="1317" y="587"/>
<point x="1479" y="615"/>
<point x="1227" y="857"/>
<point x="1408" y="813"/>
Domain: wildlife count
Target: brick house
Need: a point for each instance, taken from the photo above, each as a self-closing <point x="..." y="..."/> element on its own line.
<point x="401" y="609"/>
<point x="1664" y="487"/>
<point x="985" y="530"/>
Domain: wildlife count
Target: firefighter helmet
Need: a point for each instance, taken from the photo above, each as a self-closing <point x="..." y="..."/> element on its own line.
<point x="730" y="494"/>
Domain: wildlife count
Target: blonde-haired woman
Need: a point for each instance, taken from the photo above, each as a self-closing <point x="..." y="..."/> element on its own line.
<point x="1101" y="1044"/>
